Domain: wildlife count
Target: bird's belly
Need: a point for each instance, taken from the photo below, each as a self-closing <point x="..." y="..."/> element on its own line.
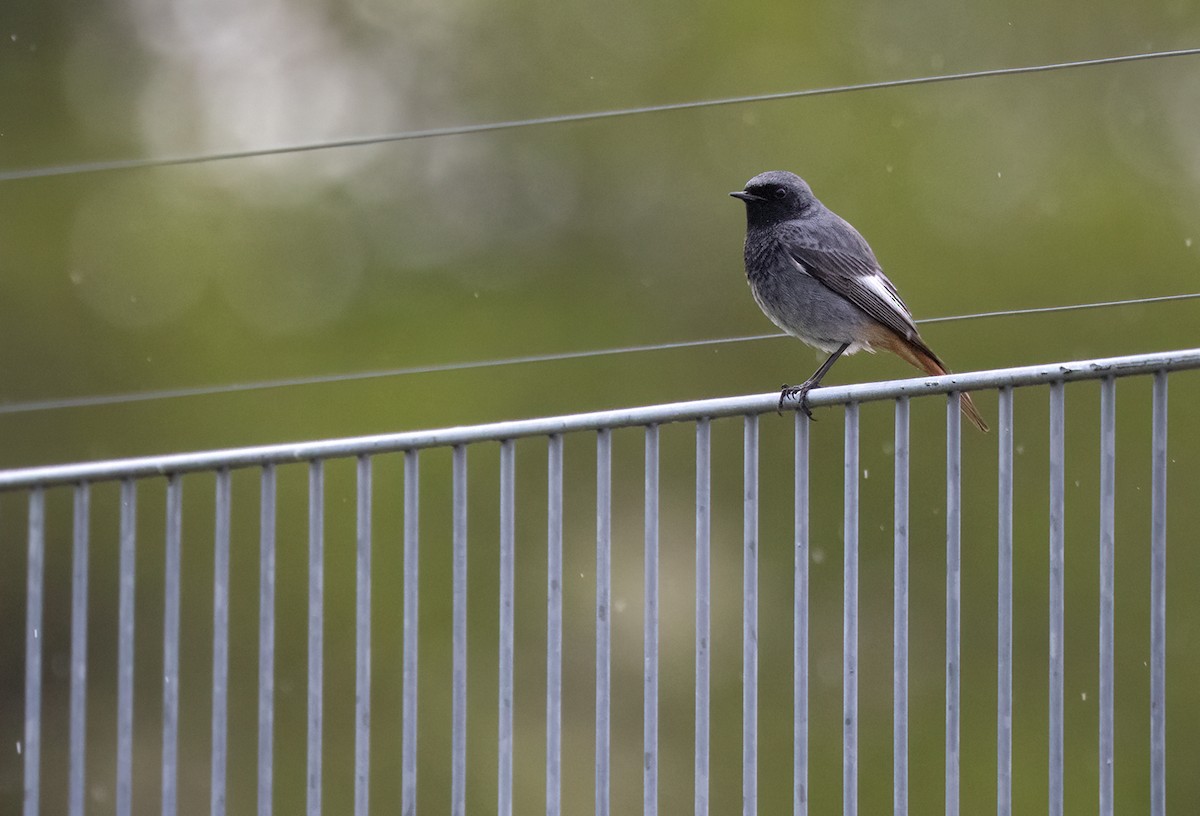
<point x="805" y="309"/>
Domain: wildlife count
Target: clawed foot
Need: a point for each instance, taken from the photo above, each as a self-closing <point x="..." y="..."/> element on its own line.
<point x="800" y="393"/>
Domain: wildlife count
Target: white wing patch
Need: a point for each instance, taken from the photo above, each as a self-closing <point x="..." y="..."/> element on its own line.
<point x="877" y="285"/>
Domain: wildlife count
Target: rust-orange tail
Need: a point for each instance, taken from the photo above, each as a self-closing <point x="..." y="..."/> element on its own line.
<point x="920" y="355"/>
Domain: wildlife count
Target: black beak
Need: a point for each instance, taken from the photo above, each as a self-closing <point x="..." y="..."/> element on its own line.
<point x="747" y="197"/>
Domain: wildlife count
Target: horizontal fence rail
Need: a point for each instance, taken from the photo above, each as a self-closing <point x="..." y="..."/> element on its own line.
<point x="622" y="418"/>
<point x="302" y="569"/>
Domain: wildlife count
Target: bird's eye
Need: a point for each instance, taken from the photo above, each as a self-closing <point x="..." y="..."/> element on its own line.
<point x="780" y="194"/>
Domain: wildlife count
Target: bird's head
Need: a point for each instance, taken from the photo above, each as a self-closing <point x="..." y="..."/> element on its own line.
<point x="776" y="195"/>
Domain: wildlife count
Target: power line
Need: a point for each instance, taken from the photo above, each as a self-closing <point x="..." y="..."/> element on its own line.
<point x="95" y="400"/>
<point x="488" y="127"/>
<point x="1074" y="307"/>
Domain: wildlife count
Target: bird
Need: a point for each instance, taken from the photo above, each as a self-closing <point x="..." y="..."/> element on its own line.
<point x="814" y="276"/>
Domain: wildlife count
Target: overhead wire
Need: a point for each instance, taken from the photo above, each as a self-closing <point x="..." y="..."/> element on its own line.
<point x="488" y="127"/>
<point x="460" y="130"/>
<point x="95" y="400"/>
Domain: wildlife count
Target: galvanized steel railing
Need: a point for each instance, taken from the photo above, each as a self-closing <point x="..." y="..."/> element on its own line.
<point x="35" y="481"/>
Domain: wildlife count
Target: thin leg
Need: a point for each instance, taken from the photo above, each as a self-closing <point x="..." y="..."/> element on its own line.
<point x="801" y="390"/>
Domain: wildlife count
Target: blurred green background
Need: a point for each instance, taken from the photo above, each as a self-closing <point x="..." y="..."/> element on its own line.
<point x="979" y="195"/>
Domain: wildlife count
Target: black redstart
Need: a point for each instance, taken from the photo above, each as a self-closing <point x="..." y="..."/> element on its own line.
<point x="817" y="279"/>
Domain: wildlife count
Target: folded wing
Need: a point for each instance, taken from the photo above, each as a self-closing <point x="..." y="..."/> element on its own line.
<point x="858" y="279"/>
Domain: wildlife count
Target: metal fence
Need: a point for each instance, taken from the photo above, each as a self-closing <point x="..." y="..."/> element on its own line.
<point x="132" y="474"/>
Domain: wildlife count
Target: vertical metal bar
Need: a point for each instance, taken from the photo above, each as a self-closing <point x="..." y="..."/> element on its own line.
<point x="124" y="797"/>
<point x="554" y="611"/>
<point x="900" y="613"/>
<point x="1108" y="489"/>
<point x="603" y="614"/>
<point x="850" y="617"/>
<point x="750" y="616"/>
<point x="220" y="689"/>
<point x="953" y="599"/>
<point x="266" y="640"/>
<point x="316" y="631"/>
<point x="35" y="577"/>
<point x="458" y="747"/>
<point x="170" y="743"/>
<point x="1158" y="600"/>
<point x="79" y="618"/>
<point x="800" y="620"/>
<point x="1057" y="538"/>
<point x="507" y="557"/>
<point x="412" y="528"/>
<point x="1004" y="637"/>
<point x="703" y="629"/>
<point x="650" y="631"/>
<point x="362" y="641"/>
